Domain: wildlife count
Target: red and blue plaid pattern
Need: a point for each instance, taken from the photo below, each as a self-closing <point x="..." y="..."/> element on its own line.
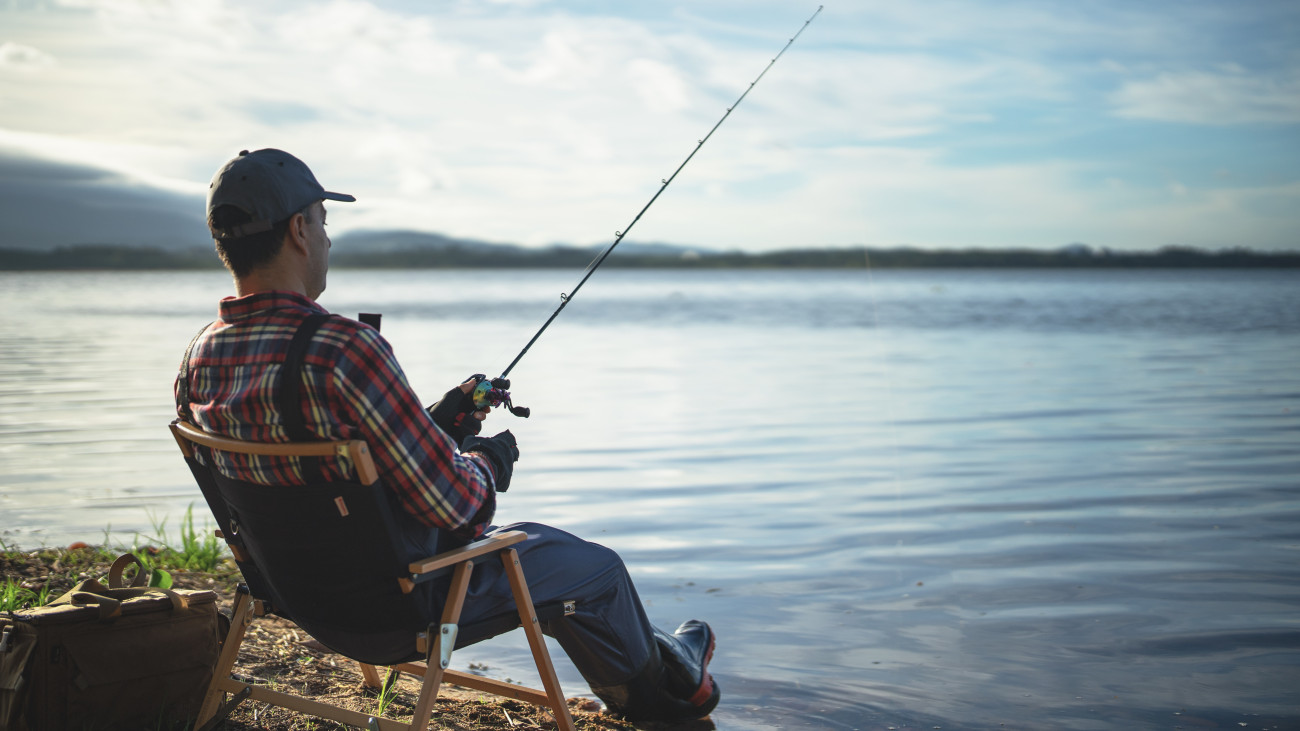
<point x="353" y="389"/>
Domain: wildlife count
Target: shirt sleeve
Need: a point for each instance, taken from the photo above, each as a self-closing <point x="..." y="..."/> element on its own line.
<point x="417" y="460"/>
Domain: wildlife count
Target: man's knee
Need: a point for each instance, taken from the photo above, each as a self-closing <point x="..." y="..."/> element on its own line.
<point x="560" y="565"/>
<point x="545" y="539"/>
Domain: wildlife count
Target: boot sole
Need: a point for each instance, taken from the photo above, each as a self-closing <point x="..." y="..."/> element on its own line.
<point x="704" y="693"/>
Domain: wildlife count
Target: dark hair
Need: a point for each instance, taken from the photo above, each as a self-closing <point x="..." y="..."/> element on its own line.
<point x="242" y="255"/>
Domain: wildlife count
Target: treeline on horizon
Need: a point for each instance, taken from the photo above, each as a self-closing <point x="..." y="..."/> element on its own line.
<point x="112" y="257"/>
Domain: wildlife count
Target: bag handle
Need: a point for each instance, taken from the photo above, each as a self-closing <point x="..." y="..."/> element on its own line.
<point x="109" y="598"/>
<point x="120" y="566"/>
<point x="83" y="595"/>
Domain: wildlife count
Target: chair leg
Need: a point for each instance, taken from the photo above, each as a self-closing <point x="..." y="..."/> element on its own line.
<point x="370" y="676"/>
<point x="229" y="654"/>
<point x="528" y="616"/>
<point x="433" y="677"/>
<point x="434" y="672"/>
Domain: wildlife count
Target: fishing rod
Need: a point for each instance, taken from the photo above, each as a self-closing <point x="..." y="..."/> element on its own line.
<point x="495" y="392"/>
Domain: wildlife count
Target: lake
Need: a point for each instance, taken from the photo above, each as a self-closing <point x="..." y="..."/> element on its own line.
<point x="904" y="499"/>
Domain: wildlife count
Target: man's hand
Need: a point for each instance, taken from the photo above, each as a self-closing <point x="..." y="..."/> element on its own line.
<point x="502" y="450"/>
<point x="455" y="412"/>
<point x="467" y="388"/>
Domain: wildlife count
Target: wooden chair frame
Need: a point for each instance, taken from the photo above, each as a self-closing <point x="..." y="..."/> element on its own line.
<point x="437" y="648"/>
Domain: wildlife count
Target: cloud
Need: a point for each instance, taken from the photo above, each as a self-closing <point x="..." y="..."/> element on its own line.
<point x="659" y="85"/>
<point x="555" y="121"/>
<point x="1223" y="98"/>
<point x="23" y="59"/>
<point x="1255" y="217"/>
<point x="528" y="125"/>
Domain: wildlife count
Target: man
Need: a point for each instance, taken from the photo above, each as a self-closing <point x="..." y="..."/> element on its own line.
<point x="267" y="217"/>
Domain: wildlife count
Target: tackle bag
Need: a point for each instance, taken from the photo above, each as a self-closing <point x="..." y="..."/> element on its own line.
<point x="109" y="657"/>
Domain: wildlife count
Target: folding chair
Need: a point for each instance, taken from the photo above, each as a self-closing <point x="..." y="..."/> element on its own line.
<point x="326" y="557"/>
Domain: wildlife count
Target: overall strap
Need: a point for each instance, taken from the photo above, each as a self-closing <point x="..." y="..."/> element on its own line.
<point x="289" y="398"/>
<point x="183" y="386"/>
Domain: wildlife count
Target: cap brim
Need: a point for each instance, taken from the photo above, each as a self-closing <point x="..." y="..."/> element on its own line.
<point x="344" y="197"/>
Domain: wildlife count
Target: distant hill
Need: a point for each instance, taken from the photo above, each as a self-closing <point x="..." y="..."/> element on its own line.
<point x="384" y="249"/>
<point x="63" y="215"/>
<point x="388" y="241"/>
<point x="400" y="249"/>
<point x="45" y="204"/>
<point x="362" y="243"/>
<point x="416" y="250"/>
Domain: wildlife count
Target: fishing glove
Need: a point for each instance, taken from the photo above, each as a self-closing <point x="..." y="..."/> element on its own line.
<point x="454" y="414"/>
<point x="501" y="450"/>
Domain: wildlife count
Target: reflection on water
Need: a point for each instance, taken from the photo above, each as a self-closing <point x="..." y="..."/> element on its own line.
<point x="910" y="499"/>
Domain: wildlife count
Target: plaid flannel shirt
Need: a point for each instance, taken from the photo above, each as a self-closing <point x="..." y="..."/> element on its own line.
<point x="353" y="389"/>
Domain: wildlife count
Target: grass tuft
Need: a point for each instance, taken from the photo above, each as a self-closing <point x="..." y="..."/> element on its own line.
<point x="13" y="595"/>
<point x="198" y="551"/>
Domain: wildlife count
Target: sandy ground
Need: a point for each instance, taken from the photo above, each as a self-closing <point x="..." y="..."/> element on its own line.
<point x="275" y="652"/>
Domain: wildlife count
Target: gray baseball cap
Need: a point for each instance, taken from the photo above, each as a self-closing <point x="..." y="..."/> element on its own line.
<point x="269" y="185"/>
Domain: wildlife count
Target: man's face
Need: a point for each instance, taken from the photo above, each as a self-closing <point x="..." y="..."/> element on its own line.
<point x="318" y="243"/>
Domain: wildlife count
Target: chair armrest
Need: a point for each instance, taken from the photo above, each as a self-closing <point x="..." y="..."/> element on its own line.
<point x="467" y="552"/>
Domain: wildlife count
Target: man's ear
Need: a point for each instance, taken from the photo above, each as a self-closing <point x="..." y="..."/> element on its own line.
<point x="296" y="234"/>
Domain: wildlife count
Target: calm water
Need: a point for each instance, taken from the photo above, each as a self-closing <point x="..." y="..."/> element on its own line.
<point x="974" y="500"/>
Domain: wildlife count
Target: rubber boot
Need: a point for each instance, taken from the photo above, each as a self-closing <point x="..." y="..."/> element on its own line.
<point x="686" y="654"/>
<point x="674" y="684"/>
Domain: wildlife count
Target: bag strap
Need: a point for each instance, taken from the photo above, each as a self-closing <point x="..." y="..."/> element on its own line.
<point x="109" y="607"/>
<point x="91" y="592"/>
<point x="109" y="598"/>
<point x="289" y="396"/>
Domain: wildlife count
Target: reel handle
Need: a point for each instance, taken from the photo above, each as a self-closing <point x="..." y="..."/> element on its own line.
<point x="495" y="392"/>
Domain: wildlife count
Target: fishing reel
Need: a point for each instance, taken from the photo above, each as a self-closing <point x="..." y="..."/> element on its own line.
<point x="495" y="393"/>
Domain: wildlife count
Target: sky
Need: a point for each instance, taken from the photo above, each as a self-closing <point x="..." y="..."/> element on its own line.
<point x="974" y="124"/>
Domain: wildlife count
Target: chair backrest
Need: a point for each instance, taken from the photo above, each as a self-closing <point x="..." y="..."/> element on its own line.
<point x="325" y="555"/>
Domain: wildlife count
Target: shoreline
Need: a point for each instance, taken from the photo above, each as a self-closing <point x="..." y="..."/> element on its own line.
<point x="278" y="653"/>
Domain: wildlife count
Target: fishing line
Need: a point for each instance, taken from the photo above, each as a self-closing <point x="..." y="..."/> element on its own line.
<point x="493" y="393"/>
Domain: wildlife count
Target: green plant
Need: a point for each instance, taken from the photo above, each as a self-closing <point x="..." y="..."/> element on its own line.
<point x="197" y="551"/>
<point x="387" y="694"/>
<point x="13" y="596"/>
<point x="204" y="552"/>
